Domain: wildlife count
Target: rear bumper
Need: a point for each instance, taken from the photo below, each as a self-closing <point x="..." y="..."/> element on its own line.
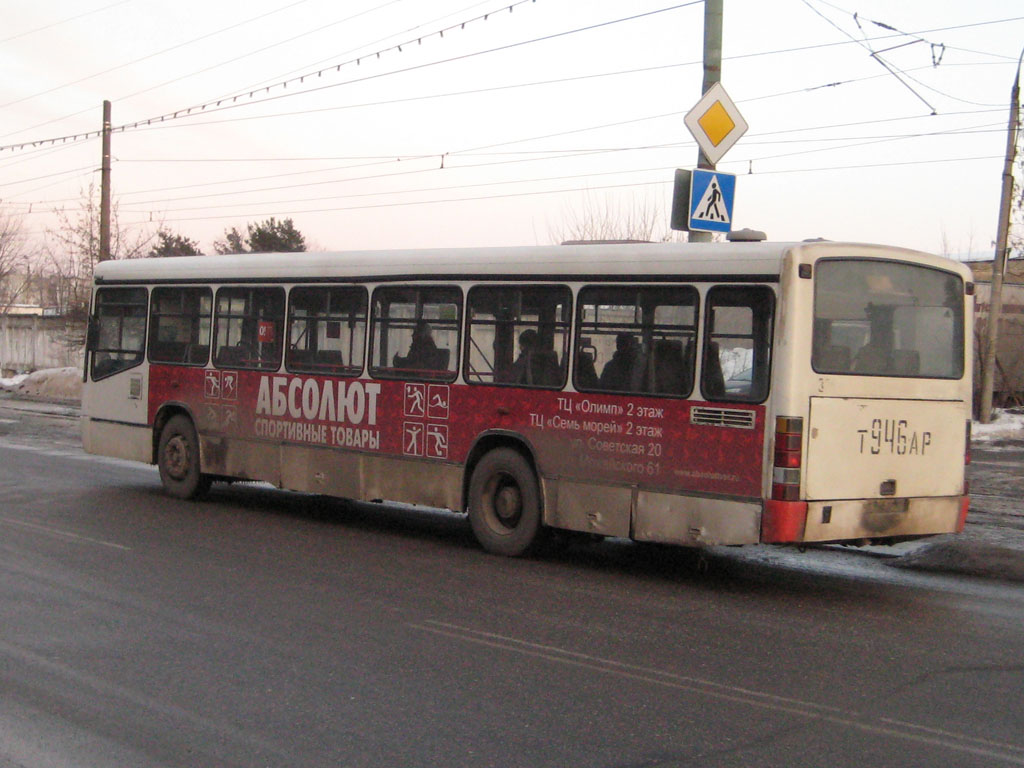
<point x="855" y="520"/>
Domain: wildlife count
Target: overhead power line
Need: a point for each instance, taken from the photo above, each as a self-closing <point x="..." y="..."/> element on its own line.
<point x="477" y="198"/>
<point x="154" y="123"/>
<point x="152" y="55"/>
<point x="250" y="98"/>
<point x="53" y="24"/>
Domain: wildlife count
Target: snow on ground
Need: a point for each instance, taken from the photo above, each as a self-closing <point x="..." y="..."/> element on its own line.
<point x="51" y="384"/>
<point x="1004" y="425"/>
<point x="11" y="383"/>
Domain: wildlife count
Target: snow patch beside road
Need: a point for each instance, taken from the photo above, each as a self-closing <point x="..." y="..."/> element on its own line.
<point x="50" y="384"/>
<point x="1004" y="424"/>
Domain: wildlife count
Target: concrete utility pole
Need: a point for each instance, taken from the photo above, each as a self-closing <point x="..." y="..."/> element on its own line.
<point x="995" y="302"/>
<point x="105" y="187"/>
<point x="712" y="75"/>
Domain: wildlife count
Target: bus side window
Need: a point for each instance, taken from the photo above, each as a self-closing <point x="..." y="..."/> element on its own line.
<point x="180" y="325"/>
<point x="249" y="328"/>
<point x="518" y="335"/>
<point x="636" y="339"/>
<point x="737" y="343"/>
<point x="414" y="332"/>
<point x="326" y="330"/>
<point x="120" y="336"/>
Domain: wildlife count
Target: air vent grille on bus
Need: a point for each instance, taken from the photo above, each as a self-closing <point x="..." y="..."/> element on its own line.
<point x="722" y="417"/>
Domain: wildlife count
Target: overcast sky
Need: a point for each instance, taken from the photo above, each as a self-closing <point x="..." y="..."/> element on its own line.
<point x="499" y="130"/>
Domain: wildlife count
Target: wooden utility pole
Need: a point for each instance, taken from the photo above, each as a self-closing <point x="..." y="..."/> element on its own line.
<point x="995" y="302"/>
<point x="105" y="187"/>
<point x="712" y="75"/>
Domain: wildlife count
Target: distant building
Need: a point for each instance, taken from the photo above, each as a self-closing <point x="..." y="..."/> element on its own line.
<point x="1009" y="379"/>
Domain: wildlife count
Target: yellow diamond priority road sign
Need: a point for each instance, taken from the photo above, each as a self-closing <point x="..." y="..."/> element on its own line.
<point x="715" y="123"/>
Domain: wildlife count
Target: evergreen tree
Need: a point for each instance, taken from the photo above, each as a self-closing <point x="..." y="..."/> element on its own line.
<point x="171" y="244"/>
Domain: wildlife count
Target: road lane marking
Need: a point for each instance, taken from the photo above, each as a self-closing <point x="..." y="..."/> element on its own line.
<point x="63" y="534"/>
<point x="1006" y="753"/>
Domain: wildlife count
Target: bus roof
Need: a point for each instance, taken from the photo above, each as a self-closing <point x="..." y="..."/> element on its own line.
<point x="758" y="260"/>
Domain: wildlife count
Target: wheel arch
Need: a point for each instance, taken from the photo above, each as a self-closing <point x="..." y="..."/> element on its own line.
<point x="488" y="441"/>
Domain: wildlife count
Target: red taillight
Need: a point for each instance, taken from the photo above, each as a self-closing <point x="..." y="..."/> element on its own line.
<point x="789" y="438"/>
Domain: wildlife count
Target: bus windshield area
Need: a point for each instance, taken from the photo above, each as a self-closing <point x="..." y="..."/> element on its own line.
<point x="882" y="318"/>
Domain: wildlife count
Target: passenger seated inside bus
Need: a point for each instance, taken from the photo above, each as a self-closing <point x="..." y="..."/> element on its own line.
<point x="535" y="366"/>
<point x="829" y="357"/>
<point x="586" y="373"/>
<point x="671" y="376"/>
<point x="423" y="352"/>
<point x="618" y="371"/>
<point x="876" y="356"/>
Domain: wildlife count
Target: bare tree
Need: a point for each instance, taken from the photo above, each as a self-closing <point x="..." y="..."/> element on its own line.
<point x="73" y="249"/>
<point x="606" y="219"/>
<point x="15" y="260"/>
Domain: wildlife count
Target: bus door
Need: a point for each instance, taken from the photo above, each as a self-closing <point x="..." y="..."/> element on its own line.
<point x="115" y="356"/>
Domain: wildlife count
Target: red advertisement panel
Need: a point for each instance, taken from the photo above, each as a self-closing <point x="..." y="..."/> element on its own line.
<point x="646" y="441"/>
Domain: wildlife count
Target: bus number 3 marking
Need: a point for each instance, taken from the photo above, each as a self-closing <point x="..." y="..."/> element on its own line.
<point x="893" y="436"/>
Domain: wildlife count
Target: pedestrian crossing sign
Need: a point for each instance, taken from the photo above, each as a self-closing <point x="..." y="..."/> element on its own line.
<point x="711" y="198"/>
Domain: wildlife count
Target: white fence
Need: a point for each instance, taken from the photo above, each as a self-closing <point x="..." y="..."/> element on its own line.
<point x="35" y="343"/>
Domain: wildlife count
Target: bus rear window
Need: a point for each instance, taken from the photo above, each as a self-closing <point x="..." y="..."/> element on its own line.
<point x="883" y="318"/>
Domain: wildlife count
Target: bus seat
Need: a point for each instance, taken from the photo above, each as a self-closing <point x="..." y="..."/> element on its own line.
<point x="329" y="358"/>
<point x="906" y="362"/>
<point x="639" y="378"/>
<point x="233" y="355"/>
<point x="299" y="358"/>
<point x="835" y="358"/>
<point x="197" y="353"/>
<point x="544" y="368"/>
<point x="586" y="372"/>
<point x="669" y="367"/>
<point x="713" y="379"/>
<point x="440" y="360"/>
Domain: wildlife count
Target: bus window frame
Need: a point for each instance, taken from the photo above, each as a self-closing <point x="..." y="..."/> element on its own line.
<point x="342" y="371"/>
<point x="957" y="312"/>
<point x="95" y="331"/>
<point x="691" y="333"/>
<point x="152" y="332"/>
<point x="517" y="326"/>
<point x="760" y="376"/>
<point x="262" y="364"/>
<point x="392" y="372"/>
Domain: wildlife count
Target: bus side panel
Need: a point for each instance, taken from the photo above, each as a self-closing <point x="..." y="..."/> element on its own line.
<point x="666" y="443"/>
<point x="693" y="520"/>
<point x="669" y="444"/>
<point x="122" y="441"/>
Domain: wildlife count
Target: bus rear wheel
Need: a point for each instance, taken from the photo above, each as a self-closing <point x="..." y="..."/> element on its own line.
<point x="178" y="459"/>
<point x="504" y="503"/>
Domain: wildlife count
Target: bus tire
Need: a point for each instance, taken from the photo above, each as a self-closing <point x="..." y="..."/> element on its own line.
<point x="178" y="459"/>
<point x="504" y="503"/>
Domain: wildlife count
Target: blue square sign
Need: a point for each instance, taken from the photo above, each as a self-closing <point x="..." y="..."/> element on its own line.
<point x="711" y="198"/>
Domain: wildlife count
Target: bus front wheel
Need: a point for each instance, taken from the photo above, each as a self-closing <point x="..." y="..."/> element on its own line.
<point x="504" y="503"/>
<point x="178" y="459"/>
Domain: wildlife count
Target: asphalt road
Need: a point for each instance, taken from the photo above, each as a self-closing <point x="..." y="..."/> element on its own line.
<point x="259" y="628"/>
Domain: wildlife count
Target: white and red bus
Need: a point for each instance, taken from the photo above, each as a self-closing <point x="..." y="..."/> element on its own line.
<point x="695" y="394"/>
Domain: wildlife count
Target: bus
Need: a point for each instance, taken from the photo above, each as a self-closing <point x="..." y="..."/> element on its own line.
<point x="695" y="394"/>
